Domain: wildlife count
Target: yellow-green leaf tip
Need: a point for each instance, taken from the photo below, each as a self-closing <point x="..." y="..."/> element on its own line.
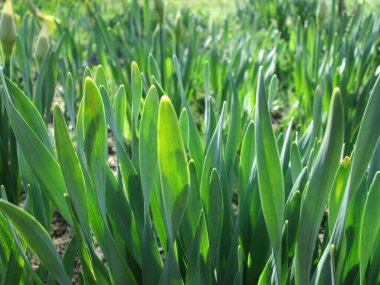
<point x="332" y="248"/>
<point x="89" y="84"/>
<point x="336" y="91"/>
<point x="165" y="100"/>
<point x="135" y="66"/>
<point x="56" y="107"/>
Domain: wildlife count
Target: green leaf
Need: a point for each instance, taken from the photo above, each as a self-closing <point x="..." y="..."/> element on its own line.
<point x="70" y="97"/>
<point x="148" y="144"/>
<point x="239" y="274"/>
<point x="86" y="73"/>
<point x="124" y="225"/>
<point x="317" y="117"/>
<point x="153" y="69"/>
<point x="247" y="157"/>
<point x="151" y="259"/>
<point x="101" y="78"/>
<point x="171" y="274"/>
<point x="370" y="227"/>
<point x="213" y="157"/>
<point x="184" y="126"/>
<point x="108" y="108"/>
<point x="284" y="156"/>
<point x="45" y="85"/>
<point x="34" y="144"/>
<point x="136" y="85"/>
<point x="266" y="275"/>
<point x="320" y="184"/>
<point x="337" y="191"/>
<point x="273" y="86"/>
<point x="351" y="257"/>
<point x="120" y="109"/>
<point x="68" y="259"/>
<point x="209" y="118"/>
<point x="93" y="269"/>
<point x="292" y="214"/>
<point x="198" y="268"/>
<point x="295" y="161"/>
<point x="7" y="231"/>
<point x="195" y="144"/>
<point x="332" y="265"/>
<point x="22" y="57"/>
<point x="95" y="146"/>
<point x="158" y="214"/>
<point x="37" y="239"/>
<point x="213" y="207"/>
<point x="190" y="221"/>
<point x="367" y="140"/>
<point x="71" y="169"/>
<point x="174" y="172"/>
<point x="234" y="132"/>
<point x="130" y="178"/>
<point x="375" y="163"/>
<point x="271" y="184"/>
<point x="95" y="140"/>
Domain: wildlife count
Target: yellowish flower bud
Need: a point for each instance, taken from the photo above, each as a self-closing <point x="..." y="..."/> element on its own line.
<point x="43" y="44"/>
<point x="346" y="161"/>
<point x="7" y="30"/>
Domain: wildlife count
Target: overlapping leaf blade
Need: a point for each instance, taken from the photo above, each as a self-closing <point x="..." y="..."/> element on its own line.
<point x="71" y="169"/>
<point x="37" y="239"/>
<point x="370" y="227"/>
<point x="34" y="144"/>
<point x="271" y="184"/>
<point x="315" y="197"/>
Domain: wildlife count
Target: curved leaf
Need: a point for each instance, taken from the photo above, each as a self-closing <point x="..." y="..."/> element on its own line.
<point x="271" y="184"/>
<point x="320" y="184"/>
<point x="173" y="167"/>
<point x="37" y="239"/>
<point x="148" y="144"/>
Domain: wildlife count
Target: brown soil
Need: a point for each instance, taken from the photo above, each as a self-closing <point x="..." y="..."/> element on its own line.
<point x="61" y="235"/>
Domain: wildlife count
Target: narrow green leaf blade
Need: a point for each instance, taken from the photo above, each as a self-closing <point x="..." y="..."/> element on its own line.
<point x="213" y="207"/>
<point x="95" y="139"/>
<point x="33" y="144"/>
<point x="71" y="170"/>
<point x="37" y="239"/>
<point x="271" y="184"/>
<point x="136" y="84"/>
<point x="198" y="269"/>
<point x="320" y="184"/>
<point x="370" y="227"/>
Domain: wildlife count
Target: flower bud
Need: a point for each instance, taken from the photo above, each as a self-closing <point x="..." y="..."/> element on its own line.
<point x="43" y="45"/>
<point x="346" y="161"/>
<point x="322" y="13"/>
<point x="160" y="9"/>
<point x="7" y="30"/>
